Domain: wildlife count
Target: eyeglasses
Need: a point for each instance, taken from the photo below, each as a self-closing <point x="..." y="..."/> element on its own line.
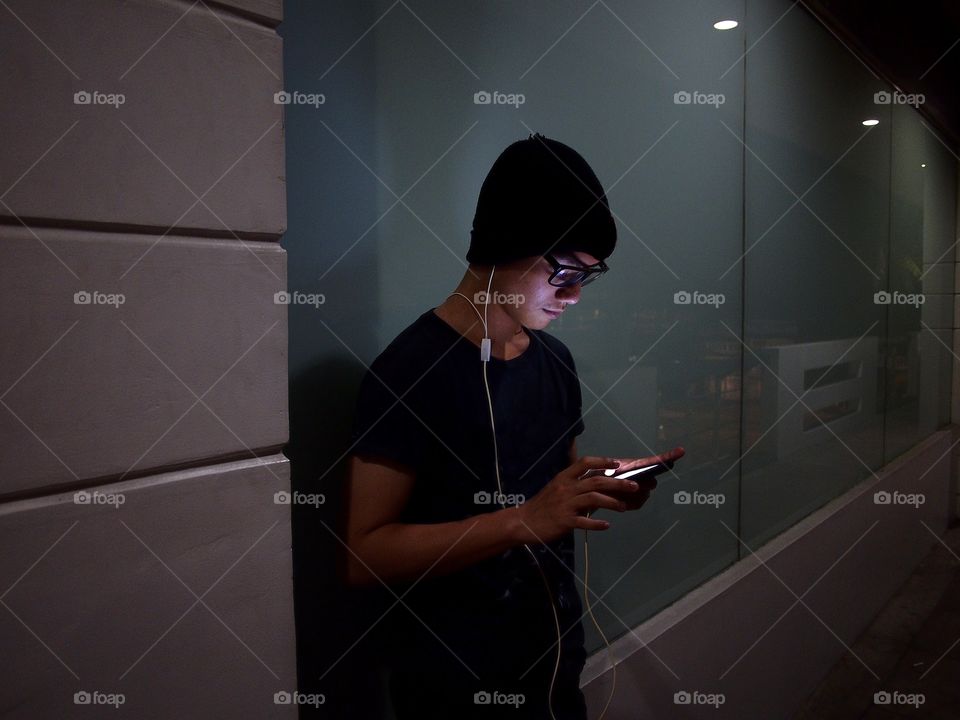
<point x="570" y="275"/>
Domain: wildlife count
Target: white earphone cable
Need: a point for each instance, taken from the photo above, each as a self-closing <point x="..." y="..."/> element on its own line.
<point x="484" y="356"/>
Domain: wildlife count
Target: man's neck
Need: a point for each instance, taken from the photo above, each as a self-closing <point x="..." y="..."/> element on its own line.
<point x="508" y="338"/>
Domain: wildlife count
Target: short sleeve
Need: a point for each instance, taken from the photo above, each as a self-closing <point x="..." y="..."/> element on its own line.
<point x="385" y="426"/>
<point x="575" y="398"/>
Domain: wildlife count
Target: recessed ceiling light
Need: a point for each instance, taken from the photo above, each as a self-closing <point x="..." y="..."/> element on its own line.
<point x="923" y="164"/>
<point x="870" y="122"/>
<point x="725" y="24"/>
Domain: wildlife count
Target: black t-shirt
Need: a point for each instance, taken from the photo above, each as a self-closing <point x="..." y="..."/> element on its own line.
<point x="494" y="615"/>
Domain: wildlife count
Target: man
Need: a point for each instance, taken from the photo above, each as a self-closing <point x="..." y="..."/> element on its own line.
<point x="441" y="512"/>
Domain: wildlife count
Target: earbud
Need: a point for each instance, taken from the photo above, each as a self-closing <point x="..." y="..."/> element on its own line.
<point x="485" y="345"/>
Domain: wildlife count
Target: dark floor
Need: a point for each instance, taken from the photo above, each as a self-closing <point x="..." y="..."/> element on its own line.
<point x="913" y="646"/>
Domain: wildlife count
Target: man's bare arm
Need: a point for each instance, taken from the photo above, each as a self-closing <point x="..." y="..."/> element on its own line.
<point x="380" y="547"/>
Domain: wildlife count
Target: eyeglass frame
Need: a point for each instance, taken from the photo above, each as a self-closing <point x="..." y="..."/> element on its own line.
<point x="592" y="271"/>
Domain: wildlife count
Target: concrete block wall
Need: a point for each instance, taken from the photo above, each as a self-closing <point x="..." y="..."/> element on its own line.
<point x="143" y="368"/>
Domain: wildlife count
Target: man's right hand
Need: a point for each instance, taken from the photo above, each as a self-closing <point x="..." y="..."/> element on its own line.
<point x="563" y="503"/>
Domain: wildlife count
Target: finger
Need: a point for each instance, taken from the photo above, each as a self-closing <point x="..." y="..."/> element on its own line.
<point x="645" y="482"/>
<point x="585" y="523"/>
<point x="592" y="472"/>
<point x="630" y="498"/>
<point x="666" y="458"/>
<point x="602" y="483"/>
<point x="635" y="463"/>
<point x="596" y="501"/>
<point x="590" y="462"/>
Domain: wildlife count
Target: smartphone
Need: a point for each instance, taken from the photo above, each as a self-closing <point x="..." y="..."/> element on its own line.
<point x="648" y="470"/>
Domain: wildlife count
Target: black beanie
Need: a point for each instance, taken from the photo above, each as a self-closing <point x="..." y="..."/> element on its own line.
<point x="540" y="196"/>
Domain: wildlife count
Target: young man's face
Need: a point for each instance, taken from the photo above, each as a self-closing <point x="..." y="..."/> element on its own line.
<point x="528" y="277"/>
